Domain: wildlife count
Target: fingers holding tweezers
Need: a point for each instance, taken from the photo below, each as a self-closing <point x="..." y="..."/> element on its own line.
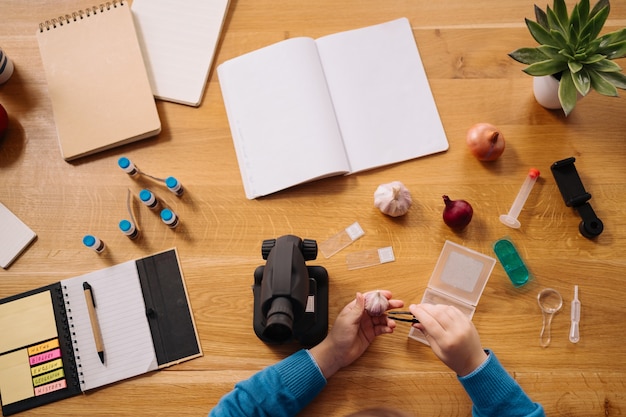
<point x="397" y="316"/>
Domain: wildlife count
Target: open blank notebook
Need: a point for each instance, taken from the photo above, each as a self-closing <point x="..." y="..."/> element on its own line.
<point x="178" y="41"/>
<point x="48" y="349"/>
<point x="304" y="109"/>
<point x="97" y="79"/>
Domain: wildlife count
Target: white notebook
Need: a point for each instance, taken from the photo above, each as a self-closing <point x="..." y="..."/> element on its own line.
<point x="304" y="109"/>
<point x="15" y="236"/>
<point x="178" y="41"/>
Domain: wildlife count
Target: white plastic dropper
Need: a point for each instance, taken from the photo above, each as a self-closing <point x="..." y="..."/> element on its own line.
<point x="510" y="219"/>
<point x="574" y="335"/>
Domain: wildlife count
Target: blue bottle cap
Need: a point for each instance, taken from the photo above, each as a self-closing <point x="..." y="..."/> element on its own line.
<point x="126" y="226"/>
<point x="89" y="241"/>
<point x="145" y="195"/>
<point x="123" y="162"/>
<point x="167" y="215"/>
<point x="171" y="182"/>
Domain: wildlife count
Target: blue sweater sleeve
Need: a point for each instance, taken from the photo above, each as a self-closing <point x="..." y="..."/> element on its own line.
<point x="495" y="393"/>
<point x="281" y="390"/>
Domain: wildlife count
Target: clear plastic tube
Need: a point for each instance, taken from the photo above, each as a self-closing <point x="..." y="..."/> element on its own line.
<point x="574" y="333"/>
<point x="510" y="219"/>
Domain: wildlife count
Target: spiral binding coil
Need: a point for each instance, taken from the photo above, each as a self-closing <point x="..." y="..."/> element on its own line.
<point x="72" y="343"/>
<point x="79" y="15"/>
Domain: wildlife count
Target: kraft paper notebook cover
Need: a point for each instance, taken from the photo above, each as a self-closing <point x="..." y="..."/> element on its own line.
<point x="304" y="109"/>
<point x="178" y="40"/>
<point x="97" y="79"/>
<point x="48" y="350"/>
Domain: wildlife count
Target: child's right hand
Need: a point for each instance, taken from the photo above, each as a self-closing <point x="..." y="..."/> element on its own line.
<point x="452" y="336"/>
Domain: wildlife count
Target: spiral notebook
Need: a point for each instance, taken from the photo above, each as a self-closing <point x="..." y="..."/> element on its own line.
<point x="48" y="348"/>
<point x="97" y="80"/>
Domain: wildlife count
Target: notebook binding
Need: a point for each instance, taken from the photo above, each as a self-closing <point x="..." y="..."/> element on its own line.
<point x="79" y="15"/>
<point x="73" y="343"/>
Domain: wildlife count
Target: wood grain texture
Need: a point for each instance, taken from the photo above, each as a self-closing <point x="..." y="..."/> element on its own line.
<point x="463" y="47"/>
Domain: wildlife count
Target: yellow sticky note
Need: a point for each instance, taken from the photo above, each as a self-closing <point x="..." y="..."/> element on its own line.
<point x="26" y="321"/>
<point x="16" y="383"/>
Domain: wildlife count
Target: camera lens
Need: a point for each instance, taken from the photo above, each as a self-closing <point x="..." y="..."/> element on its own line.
<point x="279" y="324"/>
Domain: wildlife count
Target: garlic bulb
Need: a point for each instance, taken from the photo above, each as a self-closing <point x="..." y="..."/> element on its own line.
<point x="393" y="199"/>
<point x="376" y="303"/>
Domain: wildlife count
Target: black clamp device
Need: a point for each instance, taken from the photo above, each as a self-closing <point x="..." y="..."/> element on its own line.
<point x="574" y="195"/>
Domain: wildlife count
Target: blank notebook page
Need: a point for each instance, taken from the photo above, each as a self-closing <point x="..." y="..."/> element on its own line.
<point x="178" y="40"/>
<point x="121" y="312"/>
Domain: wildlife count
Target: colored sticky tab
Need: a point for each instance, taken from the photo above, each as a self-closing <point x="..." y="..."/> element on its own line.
<point x="54" y="386"/>
<point x="341" y="240"/>
<point x="43" y="347"/>
<point x="370" y="257"/>
<point x="49" y="377"/>
<point x="44" y="357"/>
<point x="46" y="367"/>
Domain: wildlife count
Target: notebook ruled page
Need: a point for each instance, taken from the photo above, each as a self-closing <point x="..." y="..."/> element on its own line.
<point x="120" y="309"/>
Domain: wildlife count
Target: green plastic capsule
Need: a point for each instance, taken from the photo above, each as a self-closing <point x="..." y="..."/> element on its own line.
<point x="511" y="262"/>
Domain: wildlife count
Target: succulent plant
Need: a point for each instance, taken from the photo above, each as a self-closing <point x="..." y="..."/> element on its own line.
<point x="572" y="50"/>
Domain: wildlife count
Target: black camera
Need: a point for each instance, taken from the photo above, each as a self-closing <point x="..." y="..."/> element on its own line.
<point x="290" y="298"/>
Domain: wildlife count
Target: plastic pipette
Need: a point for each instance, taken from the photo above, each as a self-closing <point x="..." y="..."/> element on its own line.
<point x="574" y="335"/>
<point x="510" y="219"/>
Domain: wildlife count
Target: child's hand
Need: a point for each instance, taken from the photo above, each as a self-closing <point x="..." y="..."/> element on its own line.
<point x="452" y="336"/>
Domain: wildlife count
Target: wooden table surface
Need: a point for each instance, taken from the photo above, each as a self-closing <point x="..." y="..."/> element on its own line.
<point x="464" y="48"/>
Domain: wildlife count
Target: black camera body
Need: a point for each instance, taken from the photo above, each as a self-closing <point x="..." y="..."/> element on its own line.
<point x="290" y="298"/>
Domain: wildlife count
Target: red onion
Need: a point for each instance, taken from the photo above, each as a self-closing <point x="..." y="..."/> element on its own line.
<point x="457" y="214"/>
<point x="4" y="121"/>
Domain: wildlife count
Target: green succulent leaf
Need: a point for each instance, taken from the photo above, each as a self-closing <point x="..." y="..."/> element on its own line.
<point x="547" y="67"/>
<point x="582" y="81"/>
<point x="574" y="66"/>
<point x="567" y="93"/>
<point x="601" y="85"/>
<point x="559" y="40"/>
<point x="605" y="66"/>
<point x="618" y="79"/>
<point x="613" y="37"/>
<point x="599" y="6"/>
<point x="528" y="55"/>
<point x="539" y="33"/>
<point x="595" y="24"/>
<point x="583" y="12"/>
<point x="614" y="50"/>
<point x="554" y="23"/>
<point x="574" y="25"/>
<point x="560" y="12"/>
<point x="593" y="59"/>
<point x="551" y="52"/>
<point x="541" y="17"/>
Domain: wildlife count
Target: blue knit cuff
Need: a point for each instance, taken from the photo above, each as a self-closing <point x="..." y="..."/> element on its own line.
<point x="489" y="383"/>
<point x="301" y="375"/>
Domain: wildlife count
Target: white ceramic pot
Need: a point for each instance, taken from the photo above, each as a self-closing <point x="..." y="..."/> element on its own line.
<point x="546" y="91"/>
<point x="6" y="67"/>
